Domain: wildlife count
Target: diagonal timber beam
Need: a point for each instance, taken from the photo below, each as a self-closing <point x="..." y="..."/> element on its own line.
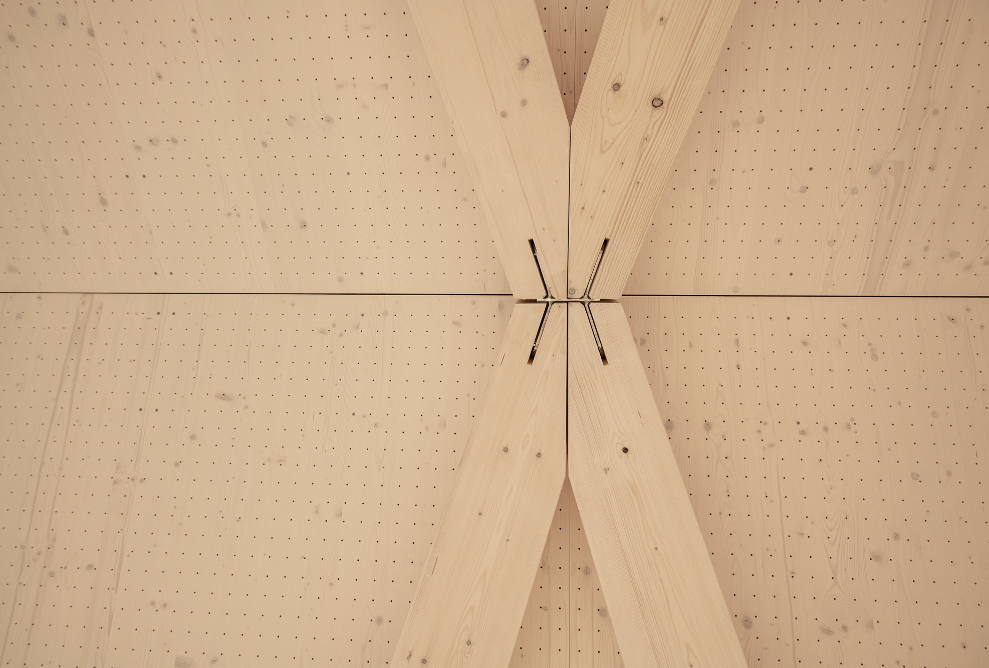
<point x="655" y="572"/>
<point x="649" y="70"/>
<point x="476" y="582"/>
<point x="570" y="371"/>
<point x="490" y="60"/>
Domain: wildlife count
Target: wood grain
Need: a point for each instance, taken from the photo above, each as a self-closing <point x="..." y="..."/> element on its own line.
<point x="833" y="450"/>
<point x="491" y="62"/>
<point x="77" y="386"/>
<point x="472" y="594"/>
<point x="228" y="147"/>
<point x="655" y="571"/>
<point x="834" y="152"/>
<point x="623" y="142"/>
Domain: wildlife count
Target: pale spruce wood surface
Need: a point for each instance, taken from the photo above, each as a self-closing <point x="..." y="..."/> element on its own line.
<point x="493" y="68"/>
<point x="473" y="592"/>
<point x="837" y="150"/>
<point x="814" y="436"/>
<point x="833" y="450"/>
<point x="654" y="568"/>
<point x="328" y="163"/>
<point x="623" y="145"/>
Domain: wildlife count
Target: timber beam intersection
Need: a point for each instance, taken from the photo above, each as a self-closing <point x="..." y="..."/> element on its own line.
<point x="568" y="207"/>
<point x="586" y="300"/>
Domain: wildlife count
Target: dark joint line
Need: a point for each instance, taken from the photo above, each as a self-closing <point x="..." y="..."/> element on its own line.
<point x="586" y="300"/>
<point x="546" y="294"/>
<point x="539" y="333"/>
<point x="594" y="331"/>
<point x="594" y="273"/>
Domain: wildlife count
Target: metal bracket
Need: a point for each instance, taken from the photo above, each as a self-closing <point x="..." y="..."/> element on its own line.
<point x="584" y="299"/>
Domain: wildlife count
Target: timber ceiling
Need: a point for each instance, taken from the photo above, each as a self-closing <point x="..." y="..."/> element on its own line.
<point x="245" y="147"/>
<point x="256" y="479"/>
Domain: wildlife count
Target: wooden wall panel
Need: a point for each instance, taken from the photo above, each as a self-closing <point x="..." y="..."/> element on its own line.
<point x="230" y="147"/>
<point x="559" y="21"/>
<point x="228" y="480"/>
<point x="840" y="149"/>
<point x="592" y="636"/>
<point x="571" y="30"/>
<point x="834" y="453"/>
<point x="31" y="387"/>
<point x="210" y="476"/>
<point x="837" y="151"/>
<point x="567" y="623"/>
<point x="233" y="458"/>
<point x="75" y="395"/>
<point x="544" y="638"/>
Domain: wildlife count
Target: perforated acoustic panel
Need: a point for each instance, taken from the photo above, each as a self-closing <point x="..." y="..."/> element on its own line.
<point x="217" y="147"/>
<point x="841" y="148"/>
<point x="205" y="480"/>
<point x="571" y="31"/>
<point x="225" y="480"/>
<point x="304" y="148"/>
<point x="834" y="451"/>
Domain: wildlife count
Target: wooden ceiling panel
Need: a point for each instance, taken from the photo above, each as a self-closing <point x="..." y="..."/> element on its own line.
<point x="571" y="31"/>
<point x="833" y="451"/>
<point x="293" y="455"/>
<point x="840" y="148"/>
<point x="215" y="148"/>
<point x="145" y="147"/>
<point x="221" y="479"/>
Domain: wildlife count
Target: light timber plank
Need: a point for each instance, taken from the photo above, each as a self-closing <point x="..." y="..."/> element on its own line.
<point x="473" y="591"/>
<point x="650" y="67"/>
<point x="496" y="77"/>
<point x="657" y="578"/>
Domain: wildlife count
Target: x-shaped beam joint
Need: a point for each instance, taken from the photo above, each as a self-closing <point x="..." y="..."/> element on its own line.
<point x="568" y="395"/>
<point x="586" y="300"/>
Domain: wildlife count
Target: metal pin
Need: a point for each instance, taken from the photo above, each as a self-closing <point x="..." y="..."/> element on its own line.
<point x="616" y="86"/>
<point x="524" y="63"/>
<point x="657" y="102"/>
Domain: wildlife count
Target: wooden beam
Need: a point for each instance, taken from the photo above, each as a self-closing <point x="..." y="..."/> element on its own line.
<point x="657" y="578"/>
<point x="650" y="67"/>
<point x="494" y="72"/>
<point x="477" y="578"/>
